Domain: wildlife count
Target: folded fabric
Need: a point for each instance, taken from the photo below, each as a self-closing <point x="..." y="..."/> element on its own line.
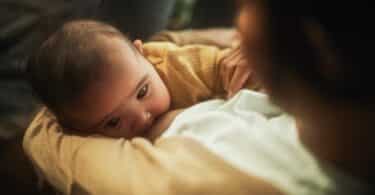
<point x="191" y="72"/>
<point x="174" y="165"/>
<point x="255" y="136"/>
<point x="241" y="146"/>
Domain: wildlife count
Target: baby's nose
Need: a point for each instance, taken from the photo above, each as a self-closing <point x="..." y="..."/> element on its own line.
<point x="146" y="116"/>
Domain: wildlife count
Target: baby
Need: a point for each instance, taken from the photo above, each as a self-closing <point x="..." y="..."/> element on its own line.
<point x="94" y="80"/>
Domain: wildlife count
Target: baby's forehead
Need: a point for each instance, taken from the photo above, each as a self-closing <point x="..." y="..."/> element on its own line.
<point x="115" y="53"/>
<point x="110" y="42"/>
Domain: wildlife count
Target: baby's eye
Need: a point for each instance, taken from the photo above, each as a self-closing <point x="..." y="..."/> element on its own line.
<point x="113" y="122"/>
<point x="142" y="92"/>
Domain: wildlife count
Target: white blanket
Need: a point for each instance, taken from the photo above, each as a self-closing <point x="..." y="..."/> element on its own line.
<point x="255" y="136"/>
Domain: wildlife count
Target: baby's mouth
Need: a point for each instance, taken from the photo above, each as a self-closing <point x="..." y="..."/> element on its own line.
<point x="147" y="126"/>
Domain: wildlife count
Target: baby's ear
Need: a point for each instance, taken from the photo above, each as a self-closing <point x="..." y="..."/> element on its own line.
<point x="139" y="45"/>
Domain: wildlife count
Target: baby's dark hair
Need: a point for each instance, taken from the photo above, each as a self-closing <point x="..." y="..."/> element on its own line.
<point x="69" y="61"/>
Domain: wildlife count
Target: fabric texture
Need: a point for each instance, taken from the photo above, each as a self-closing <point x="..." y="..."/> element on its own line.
<point x="255" y="136"/>
<point x="216" y="147"/>
<point x="191" y="73"/>
<point x="98" y="165"/>
<point x="218" y="37"/>
<point x="76" y="164"/>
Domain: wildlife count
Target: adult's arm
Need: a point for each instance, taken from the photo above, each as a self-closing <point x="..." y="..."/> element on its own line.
<point x="97" y="165"/>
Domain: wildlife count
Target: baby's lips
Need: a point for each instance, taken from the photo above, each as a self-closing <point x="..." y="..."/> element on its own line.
<point x="149" y="124"/>
<point x="146" y="126"/>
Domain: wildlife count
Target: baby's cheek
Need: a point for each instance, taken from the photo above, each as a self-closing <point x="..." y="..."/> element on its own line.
<point x="159" y="102"/>
<point x="162" y="105"/>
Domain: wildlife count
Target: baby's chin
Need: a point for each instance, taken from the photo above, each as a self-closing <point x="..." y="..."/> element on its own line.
<point x="162" y="124"/>
<point x="146" y="129"/>
<point x="156" y="129"/>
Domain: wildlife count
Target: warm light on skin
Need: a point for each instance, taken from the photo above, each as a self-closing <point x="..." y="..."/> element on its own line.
<point x="126" y="100"/>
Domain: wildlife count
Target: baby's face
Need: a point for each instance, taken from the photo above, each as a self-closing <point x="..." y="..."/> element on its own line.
<point x="127" y="98"/>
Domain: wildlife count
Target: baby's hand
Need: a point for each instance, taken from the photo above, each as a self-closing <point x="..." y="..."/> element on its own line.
<point x="234" y="71"/>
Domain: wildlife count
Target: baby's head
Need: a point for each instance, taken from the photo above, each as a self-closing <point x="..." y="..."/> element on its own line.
<point x="96" y="81"/>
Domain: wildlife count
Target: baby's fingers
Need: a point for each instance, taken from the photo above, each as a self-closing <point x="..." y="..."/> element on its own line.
<point x="226" y="74"/>
<point x="239" y="79"/>
<point x="228" y="66"/>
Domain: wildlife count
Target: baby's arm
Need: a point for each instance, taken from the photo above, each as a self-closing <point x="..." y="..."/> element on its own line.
<point x="162" y="124"/>
<point x="236" y="72"/>
<point x="219" y="37"/>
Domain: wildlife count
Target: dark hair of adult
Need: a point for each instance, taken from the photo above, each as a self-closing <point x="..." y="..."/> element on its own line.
<point x="330" y="43"/>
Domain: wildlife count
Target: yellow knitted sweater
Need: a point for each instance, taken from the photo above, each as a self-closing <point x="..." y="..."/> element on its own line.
<point x="191" y="73"/>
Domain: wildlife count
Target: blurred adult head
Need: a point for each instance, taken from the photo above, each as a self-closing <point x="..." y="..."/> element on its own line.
<point x="316" y="50"/>
<point x="314" y="59"/>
